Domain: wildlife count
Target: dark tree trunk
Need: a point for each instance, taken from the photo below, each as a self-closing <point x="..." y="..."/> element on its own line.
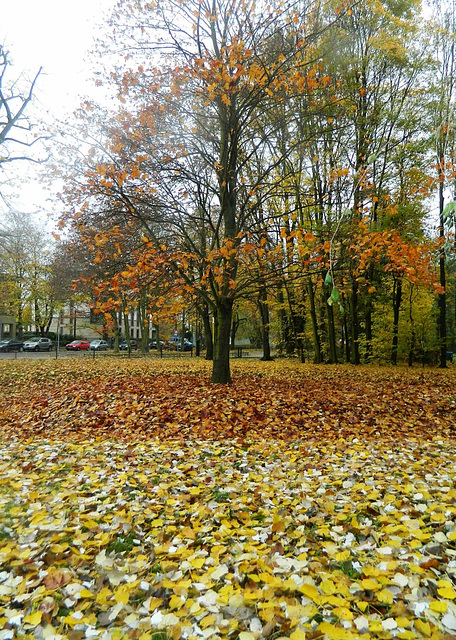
<point x="412" y="328"/>
<point x="354" y="328"/>
<point x="235" y="322"/>
<point x="346" y="334"/>
<point x="221" y="363"/>
<point x="313" y="317"/>
<point x="264" y="314"/>
<point x="397" y="300"/>
<point x="331" y="335"/>
<point x="208" y="339"/>
<point x="369" y="310"/>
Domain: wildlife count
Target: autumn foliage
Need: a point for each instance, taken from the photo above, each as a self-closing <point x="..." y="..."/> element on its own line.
<point x="140" y="501"/>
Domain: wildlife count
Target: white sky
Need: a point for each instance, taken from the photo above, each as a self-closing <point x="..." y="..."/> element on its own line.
<point x="56" y="35"/>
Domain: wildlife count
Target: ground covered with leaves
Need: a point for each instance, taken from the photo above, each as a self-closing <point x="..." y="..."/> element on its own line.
<point x="138" y="501"/>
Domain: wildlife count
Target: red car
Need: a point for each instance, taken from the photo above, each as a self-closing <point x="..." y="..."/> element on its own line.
<point x="78" y="345"/>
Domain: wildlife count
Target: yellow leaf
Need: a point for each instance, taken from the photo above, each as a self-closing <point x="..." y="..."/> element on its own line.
<point x="197" y="563"/>
<point x="342" y="555"/>
<point x="447" y="592"/>
<point x="33" y="618"/>
<point x="423" y="627"/>
<point x="343" y="613"/>
<point x="103" y="595"/>
<point x="416" y="568"/>
<point x="121" y="595"/>
<point x="369" y="584"/>
<point x="333" y="632"/>
<point x="207" y="621"/>
<point x="298" y="634"/>
<point x="85" y="593"/>
<point x="385" y="596"/>
<point x="309" y="591"/>
<point x="175" y="602"/>
<point x="438" y="605"/>
<point x="403" y="622"/>
<point x="328" y="587"/>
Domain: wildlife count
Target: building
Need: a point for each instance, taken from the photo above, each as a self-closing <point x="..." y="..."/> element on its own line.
<point x="7" y="326"/>
<point x="79" y="321"/>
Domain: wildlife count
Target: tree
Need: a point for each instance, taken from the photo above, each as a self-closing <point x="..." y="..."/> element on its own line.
<point x="24" y="263"/>
<point x="178" y="154"/>
<point x="443" y="107"/>
<point x="16" y="129"/>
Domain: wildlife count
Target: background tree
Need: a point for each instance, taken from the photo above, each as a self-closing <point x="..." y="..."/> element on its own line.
<point x="18" y="134"/>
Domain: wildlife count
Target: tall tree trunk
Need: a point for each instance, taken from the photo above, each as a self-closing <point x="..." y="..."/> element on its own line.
<point x="313" y="317"/>
<point x="283" y="322"/>
<point x="354" y="327"/>
<point x="331" y="335"/>
<point x="144" y="321"/>
<point x="221" y="363"/>
<point x="412" y="329"/>
<point x="126" y="327"/>
<point x="397" y="300"/>
<point x="368" y="317"/>
<point x="115" y="330"/>
<point x="264" y="314"/>
<point x="208" y="339"/>
<point x="235" y="322"/>
<point x="442" y="274"/>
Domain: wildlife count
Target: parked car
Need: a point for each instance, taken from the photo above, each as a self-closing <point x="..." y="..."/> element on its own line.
<point x="187" y="346"/>
<point x="38" y="344"/>
<point x="11" y="345"/>
<point x="153" y="344"/>
<point x="78" y="345"/>
<point x="98" y="345"/>
<point x="123" y="346"/>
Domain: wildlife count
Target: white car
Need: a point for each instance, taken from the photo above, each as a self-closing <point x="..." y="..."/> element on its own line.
<point x="38" y="344"/>
<point x="98" y="345"/>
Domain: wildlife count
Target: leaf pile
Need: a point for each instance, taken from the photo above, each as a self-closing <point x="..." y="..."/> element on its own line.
<point x="153" y="398"/>
<point x="338" y="530"/>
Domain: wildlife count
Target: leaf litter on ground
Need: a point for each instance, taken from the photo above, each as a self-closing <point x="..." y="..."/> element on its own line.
<point x="339" y="529"/>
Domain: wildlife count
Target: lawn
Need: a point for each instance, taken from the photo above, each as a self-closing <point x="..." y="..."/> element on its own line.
<point x="138" y="501"/>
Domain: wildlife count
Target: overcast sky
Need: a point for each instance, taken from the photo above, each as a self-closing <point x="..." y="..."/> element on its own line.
<point x="58" y="36"/>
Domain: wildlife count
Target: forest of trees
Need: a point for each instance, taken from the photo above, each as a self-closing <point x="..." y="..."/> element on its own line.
<point x="289" y="163"/>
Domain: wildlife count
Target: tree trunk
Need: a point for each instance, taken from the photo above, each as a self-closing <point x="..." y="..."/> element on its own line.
<point x="235" y="322"/>
<point x="368" y="317"/>
<point x="116" y="331"/>
<point x="126" y="327"/>
<point x="221" y="363"/>
<point x="412" y="329"/>
<point x="442" y="296"/>
<point x="264" y="314"/>
<point x="208" y="339"/>
<point x="354" y="328"/>
<point x="197" y="338"/>
<point x="313" y="317"/>
<point x="74" y="322"/>
<point x="331" y="335"/>
<point x="144" y="321"/>
<point x="397" y="299"/>
<point x="283" y="322"/>
<point x="346" y="333"/>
